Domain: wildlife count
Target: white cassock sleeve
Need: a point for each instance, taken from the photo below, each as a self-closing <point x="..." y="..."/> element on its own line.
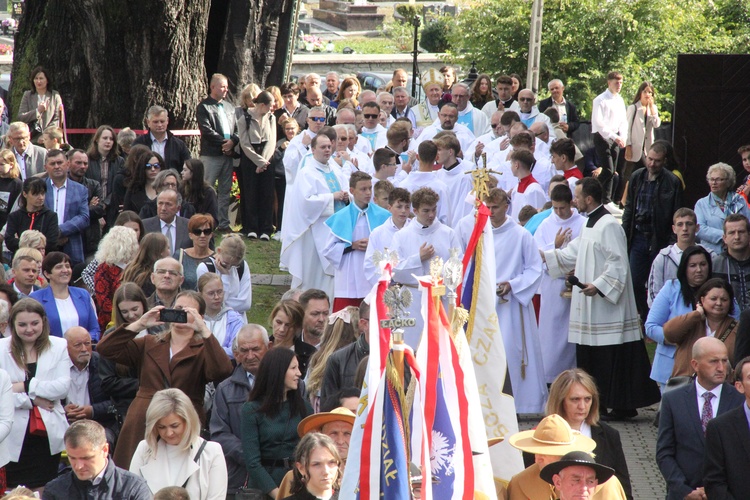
<point x="613" y="246"/>
<point x="525" y="284"/>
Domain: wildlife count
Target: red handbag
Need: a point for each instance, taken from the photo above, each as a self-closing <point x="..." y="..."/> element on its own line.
<point x="36" y="424"/>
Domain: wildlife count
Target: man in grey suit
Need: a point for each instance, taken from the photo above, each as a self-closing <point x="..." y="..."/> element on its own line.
<point x="168" y="223"/>
<point x="685" y="411"/>
<point x="30" y="158"/>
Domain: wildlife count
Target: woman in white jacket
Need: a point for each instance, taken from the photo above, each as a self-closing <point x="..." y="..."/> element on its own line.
<point x="174" y="454"/>
<point x="6" y="422"/>
<point x="39" y="370"/>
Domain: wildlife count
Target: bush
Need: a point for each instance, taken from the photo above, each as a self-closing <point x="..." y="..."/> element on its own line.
<point x="400" y="33"/>
<point x="435" y="34"/>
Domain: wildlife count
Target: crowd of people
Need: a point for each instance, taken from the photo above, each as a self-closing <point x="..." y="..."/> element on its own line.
<point x="126" y="343"/>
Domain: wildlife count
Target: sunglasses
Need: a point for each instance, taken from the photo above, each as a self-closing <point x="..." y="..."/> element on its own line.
<point x="202" y="232"/>
<point x="370" y="117"/>
<point x="153" y="166"/>
<point x="525" y="99"/>
<point x="319" y="119"/>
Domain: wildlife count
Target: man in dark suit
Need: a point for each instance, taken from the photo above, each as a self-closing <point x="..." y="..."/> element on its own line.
<point x="30" y="158"/>
<point x="162" y="141"/>
<point x="569" y="120"/>
<point x="86" y="399"/>
<point x="70" y="201"/>
<point x="78" y="163"/>
<point x="167" y="221"/>
<point x="725" y="473"/>
<point x="681" y="445"/>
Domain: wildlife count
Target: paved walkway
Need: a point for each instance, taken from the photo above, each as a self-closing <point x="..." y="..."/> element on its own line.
<point x="272" y="279"/>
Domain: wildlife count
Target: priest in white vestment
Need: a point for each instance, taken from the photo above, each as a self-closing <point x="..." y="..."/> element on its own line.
<point x="416" y="245"/>
<point x="447" y="118"/>
<point x="518" y="274"/>
<point x="469" y="116"/>
<point x="381" y="238"/>
<point x="561" y="227"/>
<point x="372" y="130"/>
<point x="604" y="322"/>
<point x="317" y="194"/>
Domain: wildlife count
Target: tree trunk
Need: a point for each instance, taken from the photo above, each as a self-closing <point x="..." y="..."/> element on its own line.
<point x="111" y="60"/>
<point x="255" y="42"/>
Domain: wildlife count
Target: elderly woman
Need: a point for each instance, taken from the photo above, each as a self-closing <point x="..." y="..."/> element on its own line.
<point x="66" y="306"/>
<point x="186" y="356"/>
<point x="720" y="202"/>
<point x="116" y="250"/>
<point x="31" y="238"/>
<point x="257" y="131"/>
<point x="128" y="218"/>
<point x="200" y="231"/>
<point x="229" y="263"/>
<point x="39" y="369"/>
<point x="574" y="396"/>
<point x="174" y="454"/>
<point x="167" y="179"/>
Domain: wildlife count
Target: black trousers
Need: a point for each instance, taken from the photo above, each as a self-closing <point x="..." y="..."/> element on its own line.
<point x="607" y="153"/>
<point x="256" y="198"/>
<point x="279" y="183"/>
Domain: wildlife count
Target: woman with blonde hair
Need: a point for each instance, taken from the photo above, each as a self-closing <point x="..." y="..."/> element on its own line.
<point x="720" y="203"/>
<point x="174" y="454"/>
<point x="117" y="249"/>
<point x="186" y="356"/>
<point x="10" y="183"/>
<point x="31" y="238"/>
<point x="223" y="321"/>
<point x="154" y="246"/>
<point x="39" y="369"/>
<point x="317" y="468"/>
<point x="286" y="323"/>
<point x="574" y="396"/>
<point x="340" y="331"/>
<point x="229" y="263"/>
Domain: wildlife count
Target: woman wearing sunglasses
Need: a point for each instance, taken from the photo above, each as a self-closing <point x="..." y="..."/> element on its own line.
<point x="141" y="188"/>
<point x="200" y="230"/>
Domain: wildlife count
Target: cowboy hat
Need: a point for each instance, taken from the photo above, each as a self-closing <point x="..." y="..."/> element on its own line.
<point x="573" y="459"/>
<point x="553" y="436"/>
<point x="316" y="421"/>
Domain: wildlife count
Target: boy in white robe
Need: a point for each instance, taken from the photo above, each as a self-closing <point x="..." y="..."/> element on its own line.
<point x="416" y="244"/>
<point x="348" y="240"/>
<point x="381" y="238"/>
<point x="556" y="231"/>
<point x="317" y="194"/>
<point x="528" y="191"/>
<point x="426" y="176"/>
<point x="454" y="176"/>
<point x="518" y="274"/>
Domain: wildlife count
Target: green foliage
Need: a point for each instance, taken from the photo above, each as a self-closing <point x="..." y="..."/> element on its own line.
<point x="409" y="11"/>
<point x="434" y="37"/>
<point x="400" y="33"/>
<point x="582" y="40"/>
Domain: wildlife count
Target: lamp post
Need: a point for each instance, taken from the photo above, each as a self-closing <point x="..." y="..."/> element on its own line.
<point x="415" y="66"/>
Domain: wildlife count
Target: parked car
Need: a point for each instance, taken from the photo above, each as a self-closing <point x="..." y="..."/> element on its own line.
<point x="373" y="81"/>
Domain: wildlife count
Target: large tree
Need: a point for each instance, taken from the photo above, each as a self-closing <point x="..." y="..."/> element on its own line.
<point x="111" y="60"/>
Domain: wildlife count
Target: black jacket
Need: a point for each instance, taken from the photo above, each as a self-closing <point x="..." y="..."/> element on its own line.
<point x="304" y="352"/>
<point x="100" y="401"/>
<point x="120" y="388"/>
<point x="45" y="220"/>
<point x="609" y="452"/>
<point x="667" y="199"/>
<point x="212" y="136"/>
<point x="93" y="233"/>
<point x="176" y="152"/>
<point x="116" y="483"/>
<point x="148" y="210"/>
<point x="570" y="110"/>
<point x="342" y="366"/>
<point x="113" y="200"/>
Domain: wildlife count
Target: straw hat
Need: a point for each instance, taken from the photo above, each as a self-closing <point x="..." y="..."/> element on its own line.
<point x="553" y="436"/>
<point x="316" y="421"/>
<point x="577" y="458"/>
<point x="432" y="77"/>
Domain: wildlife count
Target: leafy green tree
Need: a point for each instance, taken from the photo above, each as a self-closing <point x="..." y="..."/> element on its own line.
<point x="582" y="40"/>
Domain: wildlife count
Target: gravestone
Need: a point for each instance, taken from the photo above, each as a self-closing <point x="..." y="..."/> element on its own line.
<point x="348" y="16"/>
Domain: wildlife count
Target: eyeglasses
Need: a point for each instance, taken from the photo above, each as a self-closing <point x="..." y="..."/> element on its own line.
<point x="153" y="166"/>
<point x="168" y="271"/>
<point x="215" y="293"/>
<point x="714" y="180"/>
<point x="496" y="125"/>
<point x="319" y="119"/>
<point x="202" y="232"/>
<point x="526" y="99"/>
<point x="172" y="185"/>
<point x="225" y="265"/>
<point x="370" y="117"/>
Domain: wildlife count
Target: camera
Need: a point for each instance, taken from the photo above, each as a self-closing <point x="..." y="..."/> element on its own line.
<point x="173" y="316"/>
